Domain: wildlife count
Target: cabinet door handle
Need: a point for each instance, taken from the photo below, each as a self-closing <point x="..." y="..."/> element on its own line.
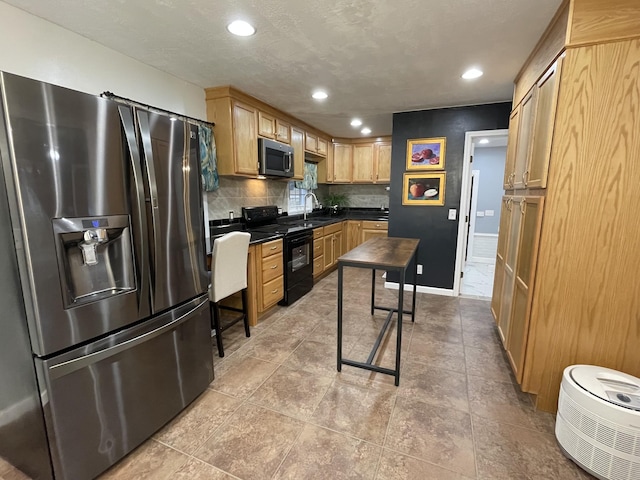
<point x="274" y="291"/>
<point x="525" y="177"/>
<point x="274" y="267"/>
<point x="523" y="206"/>
<point x="273" y="248"/>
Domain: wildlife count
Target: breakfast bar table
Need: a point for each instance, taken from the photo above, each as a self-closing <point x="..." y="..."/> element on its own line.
<point x="392" y="255"/>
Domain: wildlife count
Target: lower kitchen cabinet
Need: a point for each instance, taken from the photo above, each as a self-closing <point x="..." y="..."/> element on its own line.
<point x="531" y="210"/>
<point x="332" y="244"/>
<point x="318" y="252"/>
<point x="372" y="229"/>
<point x="354" y="234"/>
<point x="269" y="274"/>
<point x="520" y="224"/>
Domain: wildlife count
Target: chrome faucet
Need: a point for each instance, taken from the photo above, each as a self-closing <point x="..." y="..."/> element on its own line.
<point x="315" y="202"/>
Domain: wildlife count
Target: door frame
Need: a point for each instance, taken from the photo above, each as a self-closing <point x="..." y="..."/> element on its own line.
<point x="465" y="193"/>
<point x="475" y="175"/>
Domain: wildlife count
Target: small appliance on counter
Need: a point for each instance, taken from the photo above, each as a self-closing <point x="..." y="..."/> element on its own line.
<point x="598" y="421"/>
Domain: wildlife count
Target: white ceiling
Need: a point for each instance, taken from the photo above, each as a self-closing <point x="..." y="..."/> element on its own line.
<point x="373" y="57"/>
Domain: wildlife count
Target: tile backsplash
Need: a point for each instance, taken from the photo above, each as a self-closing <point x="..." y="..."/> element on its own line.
<point x="235" y="193"/>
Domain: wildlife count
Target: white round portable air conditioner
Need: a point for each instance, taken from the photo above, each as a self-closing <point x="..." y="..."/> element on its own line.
<point x="598" y="421"/>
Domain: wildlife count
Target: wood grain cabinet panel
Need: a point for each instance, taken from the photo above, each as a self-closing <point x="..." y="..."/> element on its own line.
<point x="297" y="143"/>
<point x="322" y="147"/>
<point x="354" y="234"/>
<point x="245" y="137"/>
<point x="523" y="145"/>
<point x="362" y="164"/>
<point x="266" y="125"/>
<point x="372" y="229"/>
<point x="310" y="142"/>
<point x="510" y="165"/>
<point x="342" y="162"/>
<point x="498" y="280"/>
<point x="283" y="131"/>
<point x="382" y="162"/>
<point x="512" y="241"/>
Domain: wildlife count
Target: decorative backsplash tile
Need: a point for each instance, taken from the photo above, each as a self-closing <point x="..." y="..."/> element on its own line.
<point x="235" y="193"/>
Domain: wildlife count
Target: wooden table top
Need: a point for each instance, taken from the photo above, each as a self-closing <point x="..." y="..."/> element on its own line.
<point x="382" y="252"/>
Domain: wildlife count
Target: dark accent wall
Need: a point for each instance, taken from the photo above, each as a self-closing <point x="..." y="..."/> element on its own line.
<point x="437" y="234"/>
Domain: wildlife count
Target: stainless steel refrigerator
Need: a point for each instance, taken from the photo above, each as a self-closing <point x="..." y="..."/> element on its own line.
<point x="105" y="325"/>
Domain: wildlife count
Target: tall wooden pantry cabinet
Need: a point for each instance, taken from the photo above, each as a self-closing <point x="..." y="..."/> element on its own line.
<point x="567" y="281"/>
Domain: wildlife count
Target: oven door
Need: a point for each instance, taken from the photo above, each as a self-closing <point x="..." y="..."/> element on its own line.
<point x="298" y="274"/>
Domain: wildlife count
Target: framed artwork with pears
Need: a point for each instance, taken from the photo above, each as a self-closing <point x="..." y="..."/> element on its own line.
<point x="423" y="188"/>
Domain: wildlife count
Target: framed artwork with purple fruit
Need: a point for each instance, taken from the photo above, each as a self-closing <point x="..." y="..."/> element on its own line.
<point x="423" y="188"/>
<point x="426" y="153"/>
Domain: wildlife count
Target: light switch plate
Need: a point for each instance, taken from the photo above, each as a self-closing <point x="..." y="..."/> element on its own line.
<point x="488" y="213"/>
<point x="452" y="213"/>
<point x="480" y="213"/>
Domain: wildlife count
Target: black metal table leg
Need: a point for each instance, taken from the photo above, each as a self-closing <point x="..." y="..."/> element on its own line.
<point x="340" y="294"/>
<point x="373" y="288"/>
<point x="415" y="282"/>
<point x="399" y="335"/>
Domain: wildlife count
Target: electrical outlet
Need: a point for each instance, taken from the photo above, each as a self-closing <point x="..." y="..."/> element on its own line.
<point x="419" y="269"/>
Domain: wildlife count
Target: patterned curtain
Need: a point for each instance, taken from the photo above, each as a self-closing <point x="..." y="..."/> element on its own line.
<point x="208" y="159"/>
<point x="310" y="181"/>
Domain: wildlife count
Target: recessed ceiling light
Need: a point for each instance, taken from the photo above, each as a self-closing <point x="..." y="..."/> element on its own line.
<point x="472" y="73"/>
<point x="484" y="141"/>
<point x="356" y="122"/>
<point x="365" y="131"/>
<point x="241" y="28"/>
<point x="319" y="95"/>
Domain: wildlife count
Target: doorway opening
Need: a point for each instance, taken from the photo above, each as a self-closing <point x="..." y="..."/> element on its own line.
<point x="482" y="190"/>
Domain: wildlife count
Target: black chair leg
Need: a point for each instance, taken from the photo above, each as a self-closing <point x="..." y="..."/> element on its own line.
<point x="244" y="313"/>
<point x="216" y="327"/>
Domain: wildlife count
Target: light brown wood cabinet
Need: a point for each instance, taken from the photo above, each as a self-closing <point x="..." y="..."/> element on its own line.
<point x="382" y="162"/>
<point x="245" y="147"/>
<point x="332" y="244"/>
<point x="566" y="291"/>
<point x="362" y="164"/>
<point x="342" y="162"/>
<point x="266" y="125"/>
<point x="371" y="229"/>
<point x="311" y="142"/>
<point x="354" y="234"/>
<point x="297" y="142"/>
<point x="270" y="280"/>
<point x="322" y="147"/>
<point x="318" y="252"/>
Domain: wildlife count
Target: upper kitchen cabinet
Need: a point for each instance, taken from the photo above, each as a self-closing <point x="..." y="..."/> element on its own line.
<point x="297" y="142"/>
<point x="315" y="144"/>
<point x="240" y="119"/>
<point x="382" y="162"/>
<point x="362" y="164"/>
<point x="274" y="128"/>
<point x="566" y="278"/>
<point x="510" y="165"/>
<point x="342" y="162"/>
<point x="361" y="160"/>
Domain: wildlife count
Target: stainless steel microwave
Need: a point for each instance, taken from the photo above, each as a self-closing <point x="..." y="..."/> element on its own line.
<point x="275" y="159"/>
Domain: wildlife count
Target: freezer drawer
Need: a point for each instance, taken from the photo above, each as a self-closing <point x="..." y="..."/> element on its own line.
<point x="103" y="400"/>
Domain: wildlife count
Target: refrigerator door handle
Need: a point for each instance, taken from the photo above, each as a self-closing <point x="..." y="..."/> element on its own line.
<point x="65" y="368"/>
<point x="126" y="117"/>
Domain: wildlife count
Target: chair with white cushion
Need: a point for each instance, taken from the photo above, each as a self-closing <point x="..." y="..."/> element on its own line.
<point x="229" y="276"/>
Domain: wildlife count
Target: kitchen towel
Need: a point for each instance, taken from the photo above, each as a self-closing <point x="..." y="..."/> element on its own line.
<point x="208" y="159"/>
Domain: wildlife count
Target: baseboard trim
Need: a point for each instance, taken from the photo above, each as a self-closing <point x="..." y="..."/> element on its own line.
<point x="481" y="260"/>
<point x="408" y="287"/>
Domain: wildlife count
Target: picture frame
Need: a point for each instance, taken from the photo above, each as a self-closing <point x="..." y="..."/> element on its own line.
<point x="426" y="153"/>
<point x="423" y="188"/>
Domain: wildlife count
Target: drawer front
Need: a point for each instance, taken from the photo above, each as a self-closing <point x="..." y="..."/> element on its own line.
<point x="271" y="248"/>
<point x="318" y="247"/>
<point x="369" y="225"/>
<point x="336" y="227"/>
<point x="272" y="267"/>
<point x="272" y="292"/>
<point x="318" y="265"/>
<point x="318" y="233"/>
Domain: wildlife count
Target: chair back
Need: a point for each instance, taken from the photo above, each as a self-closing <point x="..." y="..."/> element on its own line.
<point x="229" y="265"/>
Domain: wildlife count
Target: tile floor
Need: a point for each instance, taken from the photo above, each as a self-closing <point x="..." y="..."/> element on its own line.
<point x="478" y="280"/>
<point x="278" y="409"/>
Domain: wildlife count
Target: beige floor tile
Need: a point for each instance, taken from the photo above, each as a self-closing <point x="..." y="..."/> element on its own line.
<point x="434" y="385"/>
<point x="440" y="435"/>
<point x="198" y="421"/>
<point x="272" y="346"/>
<point x="240" y="376"/>
<point x="363" y="412"/>
<point x="440" y="332"/>
<point x="152" y="460"/>
<point x="448" y="356"/>
<point x="320" y="454"/>
<point x="9" y="472"/>
<point x="292" y="392"/>
<point x="483" y="339"/>
<point x="506" y="403"/>
<point x="252" y="444"/>
<point x="396" y="466"/>
<point x="492" y="365"/>
<point x="196" y="469"/>
<point x="314" y="357"/>
<point x="536" y="455"/>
